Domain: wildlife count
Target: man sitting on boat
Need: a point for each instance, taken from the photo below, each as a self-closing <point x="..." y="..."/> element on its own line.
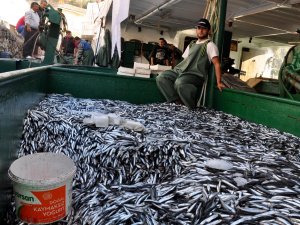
<point x="183" y="84"/>
<point x="160" y="54"/>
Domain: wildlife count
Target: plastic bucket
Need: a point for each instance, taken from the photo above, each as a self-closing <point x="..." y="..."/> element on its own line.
<point x="42" y="185"/>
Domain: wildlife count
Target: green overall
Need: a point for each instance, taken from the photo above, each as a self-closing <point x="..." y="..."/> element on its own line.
<point x="185" y="81"/>
<point x="88" y="57"/>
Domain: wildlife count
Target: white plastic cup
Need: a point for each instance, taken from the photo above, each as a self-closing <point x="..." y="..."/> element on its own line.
<point x="42" y="185"/>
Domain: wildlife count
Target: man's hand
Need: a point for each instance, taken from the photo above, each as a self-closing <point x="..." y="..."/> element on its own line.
<point x="215" y="60"/>
<point x="220" y="86"/>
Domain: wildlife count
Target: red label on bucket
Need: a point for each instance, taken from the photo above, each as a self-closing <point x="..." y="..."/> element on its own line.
<point x="51" y="207"/>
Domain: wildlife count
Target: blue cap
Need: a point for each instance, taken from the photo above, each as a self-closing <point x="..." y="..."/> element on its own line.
<point x="204" y="23"/>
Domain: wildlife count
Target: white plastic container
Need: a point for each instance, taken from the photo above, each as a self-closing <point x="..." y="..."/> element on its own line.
<point x="42" y="185"/>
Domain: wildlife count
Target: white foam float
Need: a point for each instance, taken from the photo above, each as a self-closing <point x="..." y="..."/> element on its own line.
<point x="240" y="181"/>
<point x="218" y="164"/>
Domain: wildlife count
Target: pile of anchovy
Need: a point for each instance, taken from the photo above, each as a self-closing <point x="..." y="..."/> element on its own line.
<point x="162" y="175"/>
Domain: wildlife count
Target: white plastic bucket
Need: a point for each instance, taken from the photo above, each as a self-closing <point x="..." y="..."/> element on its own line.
<point x="42" y="185"/>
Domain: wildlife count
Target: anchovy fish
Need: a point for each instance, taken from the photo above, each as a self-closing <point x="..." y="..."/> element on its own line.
<point x="160" y="175"/>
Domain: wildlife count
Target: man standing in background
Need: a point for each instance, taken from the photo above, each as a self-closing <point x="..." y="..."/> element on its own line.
<point x="21" y="25"/>
<point x="43" y="5"/>
<point x="84" y="53"/>
<point x="160" y="54"/>
<point x="32" y="21"/>
<point x="67" y="48"/>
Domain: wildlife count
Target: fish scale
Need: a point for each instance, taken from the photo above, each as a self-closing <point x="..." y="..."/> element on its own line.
<point x="159" y="176"/>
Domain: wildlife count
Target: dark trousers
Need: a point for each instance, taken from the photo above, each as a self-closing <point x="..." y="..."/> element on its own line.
<point x="29" y="40"/>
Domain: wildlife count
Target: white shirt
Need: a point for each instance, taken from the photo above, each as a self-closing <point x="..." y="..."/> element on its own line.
<point x="212" y="49"/>
<point x="32" y="18"/>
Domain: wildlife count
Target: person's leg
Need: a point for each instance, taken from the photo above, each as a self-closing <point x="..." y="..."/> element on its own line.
<point x="22" y="30"/>
<point x="188" y="88"/>
<point x="26" y="47"/>
<point x="69" y="59"/>
<point x="29" y="41"/>
<point x="165" y="83"/>
<point x="91" y="57"/>
<point x="88" y="58"/>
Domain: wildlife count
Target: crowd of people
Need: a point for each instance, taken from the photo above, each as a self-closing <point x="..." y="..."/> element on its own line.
<point x="76" y="51"/>
<point x="182" y="84"/>
<point x="72" y="50"/>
